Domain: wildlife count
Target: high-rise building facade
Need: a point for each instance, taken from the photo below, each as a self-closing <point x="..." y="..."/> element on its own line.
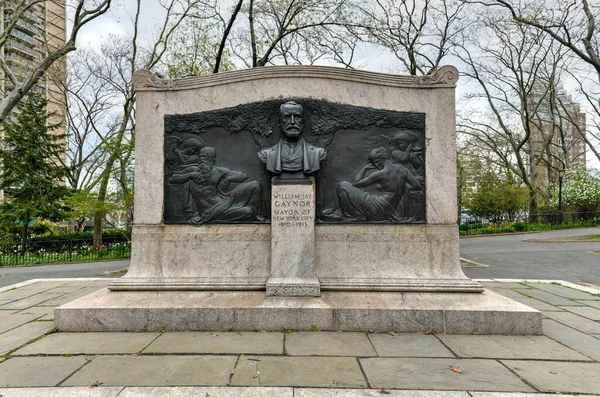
<point x="558" y="128"/>
<point x="39" y="31"/>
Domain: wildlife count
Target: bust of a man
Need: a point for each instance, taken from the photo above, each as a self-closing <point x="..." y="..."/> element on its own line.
<point x="292" y="154"/>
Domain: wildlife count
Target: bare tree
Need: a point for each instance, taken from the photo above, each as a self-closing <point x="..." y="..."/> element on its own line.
<point x="21" y="82"/>
<point x="113" y="69"/>
<point x="91" y="119"/>
<point x="418" y="32"/>
<point x="262" y="32"/>
<point x="514" y="67"/>
<point x="575" y="25"/>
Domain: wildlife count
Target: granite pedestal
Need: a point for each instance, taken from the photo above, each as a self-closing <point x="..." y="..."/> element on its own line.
<point x="482" y="313"/>
<point x="293" y="240"/>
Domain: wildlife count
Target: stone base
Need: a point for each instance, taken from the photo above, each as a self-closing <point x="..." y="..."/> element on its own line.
<point x="463" y="313"/>
<point x="260" y="284"/>
<point x="293" y="287"/>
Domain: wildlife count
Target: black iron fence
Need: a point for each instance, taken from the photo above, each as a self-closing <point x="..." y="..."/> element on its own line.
<point x="60" y="251"/>
<point x="534" y="223"/>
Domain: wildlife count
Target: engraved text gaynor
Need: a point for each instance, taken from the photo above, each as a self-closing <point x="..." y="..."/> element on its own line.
<point x="293" y="209"/>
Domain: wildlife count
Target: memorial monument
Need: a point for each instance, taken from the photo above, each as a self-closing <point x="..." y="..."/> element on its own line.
<point x="287" y="197"/>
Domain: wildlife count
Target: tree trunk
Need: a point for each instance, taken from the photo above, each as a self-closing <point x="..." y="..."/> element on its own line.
<point x="533" y="205"/>
<point x="110" y="162"/>
<point x="98" y="216"/>
<point x="24" y="236"/>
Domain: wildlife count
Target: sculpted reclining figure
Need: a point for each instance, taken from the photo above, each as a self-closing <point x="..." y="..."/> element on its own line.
<point x="215" y="200"/>
<point x="390" y="180"/>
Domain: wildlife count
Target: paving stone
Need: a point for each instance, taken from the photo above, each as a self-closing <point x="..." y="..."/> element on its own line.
<point x="435" y="374"/>
<point x="554" y="376"/>
<point x="498" y="284"/>
<point x="61" y="392"/>
<point x="19" y="293"/>
<point x="298" y="371"/>
<point x="46" y="313"/>
<point x="589" y="312"/>
<point x="38" y="371"/>
<point x="19" y="336"/>
<point x="408" y="345"/>
<point x="595" y="304"/>
<point x="329" y="344"/>
<point x="42" y="286"/>
<point x="90" y="343"/>
<point x="218" y="342"/>
<point x="575" y="321"/>
<point x="579" y="341"/>
<point x="45" y="285"/>
<point x="30" y="301"/>
<point x="61" y="300"/>
<point x="90" y="283"/>
<point x="155" y="371"/>
<point x="66" y="289"/>
<point x="495" y="394"/>
<point x="509" y="293"/>
<point x="531" y="302"/>
<point x="509" y="346"/>
<point x="539" y="305"/>
<point x="208" y="391"/>
<point x="548" y="297"/>
<point x="12" y="320"/>
<point x="308" y="392"/>
<point x="565" y="292"/>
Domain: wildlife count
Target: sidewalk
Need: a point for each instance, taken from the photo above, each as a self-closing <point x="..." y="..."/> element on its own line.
<point x="37" y="361"/>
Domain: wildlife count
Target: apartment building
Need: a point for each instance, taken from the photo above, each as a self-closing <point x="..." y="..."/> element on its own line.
<point x="41" y="29"/>
<point x="558" y="128"/>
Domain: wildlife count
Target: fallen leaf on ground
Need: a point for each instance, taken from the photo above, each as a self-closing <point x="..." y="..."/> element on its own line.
<point x="370" y="331"/>
<point x="215" y="334"/>
<point x="95" y="383"/>
<point x="456" y="369"/>
<point x="429" y="332"/>
<point x="384" y="390"/>
<point x="207" y="395"/>
<point x="552" y="372"/>
<point x="518" y="369"/>
<point x="391" y="332"/>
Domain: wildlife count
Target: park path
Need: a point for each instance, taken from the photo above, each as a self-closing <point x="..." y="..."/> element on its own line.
<point x="14" y="275"/>
<point x="509" y="256"/>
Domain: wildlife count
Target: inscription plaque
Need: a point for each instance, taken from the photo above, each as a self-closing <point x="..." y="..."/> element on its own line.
<point x="292" y="209"/>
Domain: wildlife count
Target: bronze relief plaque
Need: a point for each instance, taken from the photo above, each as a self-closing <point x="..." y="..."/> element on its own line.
<point x="369" y="164"/>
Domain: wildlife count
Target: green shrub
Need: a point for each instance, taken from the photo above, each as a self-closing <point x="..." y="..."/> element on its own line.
<point x="81" y="235"/>
<point x="519" y="226"/>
